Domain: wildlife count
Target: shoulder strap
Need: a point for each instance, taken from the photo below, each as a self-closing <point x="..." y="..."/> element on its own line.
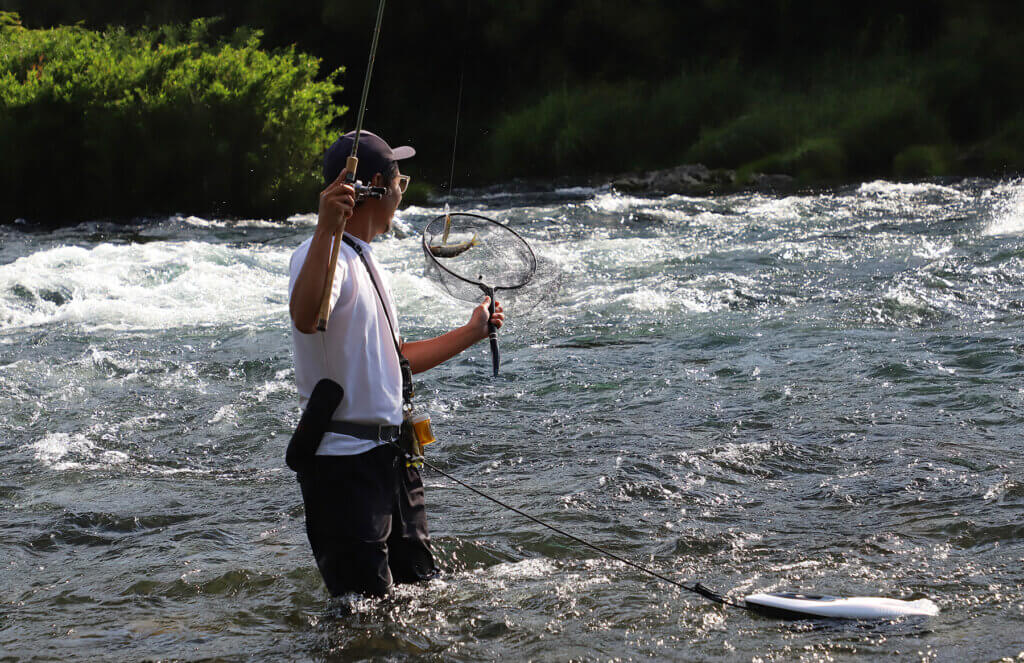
<point x="403" y="363"/>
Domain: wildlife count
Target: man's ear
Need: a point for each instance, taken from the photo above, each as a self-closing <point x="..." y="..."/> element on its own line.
<point x="378" y="180"/>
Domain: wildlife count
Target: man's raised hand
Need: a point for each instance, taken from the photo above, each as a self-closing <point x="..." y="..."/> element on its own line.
<point x="336" y="203"/>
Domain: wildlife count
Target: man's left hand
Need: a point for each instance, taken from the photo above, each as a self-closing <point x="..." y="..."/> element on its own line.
<point x="478" y="321"/>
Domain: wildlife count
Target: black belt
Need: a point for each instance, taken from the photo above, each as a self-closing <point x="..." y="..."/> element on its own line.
<point x="379" y="432"/>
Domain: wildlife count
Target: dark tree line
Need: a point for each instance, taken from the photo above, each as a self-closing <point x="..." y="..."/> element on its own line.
<point x="510" y="54"/>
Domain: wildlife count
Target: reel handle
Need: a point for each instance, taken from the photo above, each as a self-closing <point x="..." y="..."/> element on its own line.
<point x="363" y="192"/>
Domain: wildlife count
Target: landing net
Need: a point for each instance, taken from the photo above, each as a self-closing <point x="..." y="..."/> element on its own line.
<point x="470" y="255"/>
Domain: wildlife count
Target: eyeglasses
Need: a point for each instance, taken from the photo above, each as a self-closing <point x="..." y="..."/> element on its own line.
<point x="403" y="183"/>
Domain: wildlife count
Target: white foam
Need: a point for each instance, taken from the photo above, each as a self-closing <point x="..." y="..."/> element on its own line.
<point x="202" y="223"/>
<point x="915" y="304"/>
<point x="580" y="190"/>
<point x="998" y="489"/>
<point x="613" y="202"/>
<point x="173" y="284"/>
<point x="308" y="219"/>
<point x="401" y="227"/>
<point x="537" y="567"/>
<point x="416" y="210"/>
<point x="933" y="250"/>
<point x="1008" y="216"/>
<point x="283" y="382"/>
<point x="144" y="286"/>
<point x="199" y="222"/>
<point x="64" y="451"/>
<point x="740" y="452"/>
<point x="657" y="299"/>
<point x="777" y="210"/>
<point x="225" y="413"/>
<point x="904" y="189"/>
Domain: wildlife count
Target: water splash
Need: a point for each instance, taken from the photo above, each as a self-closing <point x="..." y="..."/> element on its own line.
<point x="1008" y="215"/>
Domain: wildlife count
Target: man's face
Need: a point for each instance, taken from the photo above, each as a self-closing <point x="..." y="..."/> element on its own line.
<point x="391" y="200"/>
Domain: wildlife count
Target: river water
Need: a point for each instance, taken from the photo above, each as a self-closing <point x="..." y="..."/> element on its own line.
<point x="818" y="392"/>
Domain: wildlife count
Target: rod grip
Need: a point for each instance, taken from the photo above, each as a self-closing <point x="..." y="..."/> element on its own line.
<point x="325" y="299"/>
<point x="351" y="163"/>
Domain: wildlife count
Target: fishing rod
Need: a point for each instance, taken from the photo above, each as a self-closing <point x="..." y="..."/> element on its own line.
<point x="782" y="605"/>
<point x="351" y="164"/>
<point x="488" y="290"/>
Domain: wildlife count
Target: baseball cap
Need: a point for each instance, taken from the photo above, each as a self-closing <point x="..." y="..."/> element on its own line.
<point x="375" y="155"/>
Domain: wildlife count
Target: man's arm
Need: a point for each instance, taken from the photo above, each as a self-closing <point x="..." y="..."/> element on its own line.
<point x="336" y="203"/>
<point x="424" y="355"/>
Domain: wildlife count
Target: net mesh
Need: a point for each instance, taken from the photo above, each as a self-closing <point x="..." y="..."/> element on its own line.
<point x="478" y="254"/>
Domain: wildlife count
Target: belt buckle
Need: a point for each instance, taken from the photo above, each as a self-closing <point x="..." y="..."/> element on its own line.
<point x="380" y="433"/>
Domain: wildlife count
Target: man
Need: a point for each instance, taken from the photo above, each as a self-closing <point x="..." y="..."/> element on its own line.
<point x="365" y="515"/>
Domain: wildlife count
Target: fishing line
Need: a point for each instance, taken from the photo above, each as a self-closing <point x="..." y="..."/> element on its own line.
<point x="783" y="605"/>
<point x="696" y="587"/>
<point x="366" y="81"/>
<point x="458" y="105"/>
<point x="488" y="289"/>
<point x="494" y="248"/>
<point x="455" y="138"/>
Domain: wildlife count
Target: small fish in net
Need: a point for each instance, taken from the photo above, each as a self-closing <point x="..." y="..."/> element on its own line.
<point x="444" y="250"/>
<point x="469" y="254"/>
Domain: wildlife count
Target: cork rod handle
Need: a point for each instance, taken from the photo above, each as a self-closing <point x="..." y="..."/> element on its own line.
<point x="325" y="301"/>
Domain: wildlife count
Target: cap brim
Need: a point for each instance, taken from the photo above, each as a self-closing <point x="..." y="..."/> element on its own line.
<point x="403" y="152"/>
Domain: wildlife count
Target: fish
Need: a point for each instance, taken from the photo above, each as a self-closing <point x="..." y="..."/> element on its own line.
<point x="452" y="250"/>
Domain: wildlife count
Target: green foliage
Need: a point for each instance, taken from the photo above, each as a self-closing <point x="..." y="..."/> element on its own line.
<point x="921" y="161"/>
<point x="881" y="98"/>
<point x="824" y="91"/>
<point x="881" y="122"/>
<point x="813" y="160"/>
<point x="9" y="20"/>
<point x="605" y="128"/>
<point x="681" y="107"/>
<point x="748" y="137"/>
<point x="418" y="193"/>
<point x="96" y="124"/>
<point x="567" y="130"/>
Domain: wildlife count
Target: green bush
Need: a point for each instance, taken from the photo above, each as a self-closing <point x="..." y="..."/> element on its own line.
<point x="748" y="137"/>
<point x="681" y="107"/>
<point x="882" y="121"/>
<point x="921" y="161"/>
<point x="582" y="130"/>
<point x="814" y="160"/>
<point x="113" y="124"/>
<point x="604" y="128"/>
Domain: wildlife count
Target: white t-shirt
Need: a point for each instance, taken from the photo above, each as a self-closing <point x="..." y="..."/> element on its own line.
<point x="356" y="351"/>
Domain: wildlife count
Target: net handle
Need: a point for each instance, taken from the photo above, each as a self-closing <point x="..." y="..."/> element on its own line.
<point x="492" y="333"/>
<point x="484" y="287"/>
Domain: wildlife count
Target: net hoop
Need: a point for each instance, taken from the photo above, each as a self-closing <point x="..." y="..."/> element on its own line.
<point x="483" y="286"/>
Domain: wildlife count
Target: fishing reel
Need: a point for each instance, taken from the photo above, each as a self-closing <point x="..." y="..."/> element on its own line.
<point x="363" y="192"/>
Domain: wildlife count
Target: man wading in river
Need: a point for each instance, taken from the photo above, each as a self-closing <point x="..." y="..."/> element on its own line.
<point x="365" y="514"/>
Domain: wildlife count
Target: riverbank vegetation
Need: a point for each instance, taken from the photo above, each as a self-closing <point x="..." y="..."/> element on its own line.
<point x="117" y="123"/>
<point x="825" y="92"/>
<point x="958" y="110"/>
